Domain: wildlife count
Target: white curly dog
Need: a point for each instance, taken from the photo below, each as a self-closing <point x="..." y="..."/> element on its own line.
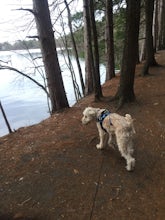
<point x="113" y="124"/>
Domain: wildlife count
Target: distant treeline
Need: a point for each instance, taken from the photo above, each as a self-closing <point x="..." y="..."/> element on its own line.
<point x="19" y="45"/>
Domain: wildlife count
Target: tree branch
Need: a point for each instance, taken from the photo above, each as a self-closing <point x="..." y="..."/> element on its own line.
<point x="33" y="37"/>
<point x="26" y="9"/>
<point x="23" y="74"/>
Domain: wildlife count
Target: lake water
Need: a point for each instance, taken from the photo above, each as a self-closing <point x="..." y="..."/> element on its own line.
<point x="23" y="101"/>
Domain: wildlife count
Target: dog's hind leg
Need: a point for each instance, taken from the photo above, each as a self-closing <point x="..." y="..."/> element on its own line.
<point x="130" y="162"/>
<point x="111" y="141"/>
<point x="123" y="145"/>
<point x="103" y="137"/>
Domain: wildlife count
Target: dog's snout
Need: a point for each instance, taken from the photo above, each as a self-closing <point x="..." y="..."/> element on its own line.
<point x="83" y="121"/>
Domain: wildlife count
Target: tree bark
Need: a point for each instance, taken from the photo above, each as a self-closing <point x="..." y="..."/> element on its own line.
<point x="150" y="58"/>
<point x="125" y="91"/>
<point x="49" y="54"/>
<point x="96" y="73"/>
<point x="161" y="45"/>
<point x="155" y="26"/>
<point x="142" y="34"/>
<point x="89" y="63"/>
<point x="109" y="41"/>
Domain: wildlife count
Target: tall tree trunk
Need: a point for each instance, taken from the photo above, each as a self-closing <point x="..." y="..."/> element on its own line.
<point x="75" y="48"/>
<point x="162" y="25"/>
<point x="155" y="26"/>
<point x="142" y="34"/>
<point x="49" y="54"/>
<point x="125" y="91"/>
<point x="109" y="41"/>
<point x="142" y="51"/>
<point x="159" y="2"/>
<point x="150" y="58"/>
<point x="89" y="63"/>
<point x="96" y="73"/>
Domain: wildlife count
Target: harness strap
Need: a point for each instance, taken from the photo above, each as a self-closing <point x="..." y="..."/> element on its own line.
<point x="101" y="117"/>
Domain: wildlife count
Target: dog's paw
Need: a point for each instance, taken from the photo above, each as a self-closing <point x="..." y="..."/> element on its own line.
<point x="130" y="164"/>
<point x="99" y="147"/>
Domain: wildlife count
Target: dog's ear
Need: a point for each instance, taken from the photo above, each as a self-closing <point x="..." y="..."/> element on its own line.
<point x="91" y="111"/>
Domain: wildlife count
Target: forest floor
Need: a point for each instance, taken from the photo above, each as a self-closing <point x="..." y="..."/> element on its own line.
<point x="53" y="171"/>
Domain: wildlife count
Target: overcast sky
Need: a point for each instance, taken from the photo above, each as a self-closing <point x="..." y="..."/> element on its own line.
<point x="12" y="22"/>
<point x="16" y="24"/>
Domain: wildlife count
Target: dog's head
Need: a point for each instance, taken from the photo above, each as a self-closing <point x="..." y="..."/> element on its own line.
<point x="88" y="115"/>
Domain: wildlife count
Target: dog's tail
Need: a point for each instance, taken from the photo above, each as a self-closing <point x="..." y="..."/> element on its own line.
<point x="130" y="120"/>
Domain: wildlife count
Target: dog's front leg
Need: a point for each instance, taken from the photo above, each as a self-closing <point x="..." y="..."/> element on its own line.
<point x="102" y="136"/>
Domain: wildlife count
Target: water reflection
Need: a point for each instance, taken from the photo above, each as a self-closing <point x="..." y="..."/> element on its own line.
<point x="23" y="101"/>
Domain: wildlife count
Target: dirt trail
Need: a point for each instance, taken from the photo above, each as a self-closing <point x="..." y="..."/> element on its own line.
<point x="52" y="170"/>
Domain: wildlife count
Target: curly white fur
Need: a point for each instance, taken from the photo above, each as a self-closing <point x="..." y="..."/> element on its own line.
<point x="115" y="124"/>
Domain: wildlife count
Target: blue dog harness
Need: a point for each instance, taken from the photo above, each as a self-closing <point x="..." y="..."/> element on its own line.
<point x="101" y="117"/>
